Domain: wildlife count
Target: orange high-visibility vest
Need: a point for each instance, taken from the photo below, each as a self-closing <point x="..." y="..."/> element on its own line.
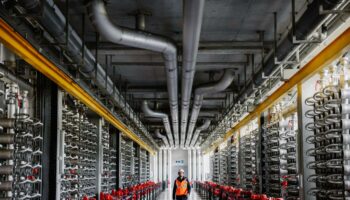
<point x="181" y="187"/>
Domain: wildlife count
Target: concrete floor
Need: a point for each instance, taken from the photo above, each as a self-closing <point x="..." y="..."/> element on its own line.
<point x="167" y="195"/>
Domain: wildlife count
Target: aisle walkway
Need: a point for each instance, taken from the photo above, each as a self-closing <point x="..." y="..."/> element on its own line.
<point x="166" y="195"/>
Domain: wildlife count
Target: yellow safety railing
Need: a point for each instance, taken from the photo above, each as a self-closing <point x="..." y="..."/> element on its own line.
<point x="16" y="43"/>
<point x="309" y="69"/>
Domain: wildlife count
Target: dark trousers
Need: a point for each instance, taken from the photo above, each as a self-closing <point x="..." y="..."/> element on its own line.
<point x="184" y="197"/>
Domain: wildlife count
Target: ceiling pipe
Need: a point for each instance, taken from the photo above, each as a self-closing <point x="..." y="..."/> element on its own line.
<point x="204" y="66"/>
<point x="225" y="81"/>
<point x="54" y="22"/>
<point x="193" y="16"/>
<point x="143" y="40"/>
<point x="205" y="126"/>
<point x="148" y="112"/>
<point x="163" y="137"/>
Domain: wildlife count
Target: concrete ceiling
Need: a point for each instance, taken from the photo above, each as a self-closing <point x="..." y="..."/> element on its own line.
<point x="230" y="32"/>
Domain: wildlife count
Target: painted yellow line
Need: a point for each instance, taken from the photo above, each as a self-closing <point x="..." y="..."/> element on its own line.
<point x="308" y="70"/>
<point x="15" y="42"/>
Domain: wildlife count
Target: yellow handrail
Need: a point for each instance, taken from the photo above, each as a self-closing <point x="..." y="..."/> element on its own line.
<point x="16" y="43"/>
<point x="311" y="67"/>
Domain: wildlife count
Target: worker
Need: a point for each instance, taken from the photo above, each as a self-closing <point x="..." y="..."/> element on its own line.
<point x="182" y="187"/>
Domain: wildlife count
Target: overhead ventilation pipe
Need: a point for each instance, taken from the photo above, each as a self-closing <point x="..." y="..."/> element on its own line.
<point x="54" y="22"/>
<point x="193" y="15"/>
<point x="148" y="112"/>
<point x="225" y="81"/>
<point x="306" y="23"/>
<point x="198" y="130"/>
<point x="164" y="138"/>
<point x="143" y="40"/>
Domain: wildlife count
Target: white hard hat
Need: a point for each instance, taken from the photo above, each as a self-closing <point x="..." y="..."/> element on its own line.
<point x="182" y="170"/>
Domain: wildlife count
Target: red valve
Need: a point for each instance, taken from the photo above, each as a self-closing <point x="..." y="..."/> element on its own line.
<point x="102" y="196"/>
<point x="32" y="178"/>
<point x="108" y="197"/>
<point x="35" y="170"/>
<point x="119" y="193"/>
<point x="284" y="183"/>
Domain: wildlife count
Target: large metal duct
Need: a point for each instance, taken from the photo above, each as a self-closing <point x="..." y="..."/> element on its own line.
<point x="306" y="23"/>
<point x="143" y="40"/>
<point x="205" y="125"/>
<point x="54" y="22"/>
<point x="193" y="15"/>
<point x="225" y="81"/>
<point x="164" y="139"/>
<point x="148" y="112"/>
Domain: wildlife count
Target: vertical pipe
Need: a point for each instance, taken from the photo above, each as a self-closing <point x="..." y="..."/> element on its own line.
<point x="199" y="164"/>
<point x="99" y="166"/>
<point x="194" y="168"/>
<point x="169" y="168"/>
<point x="189" y="165"/>
<point x="60" y="145"/>
<point x="164" y="165"/>
<point x="119" y="156"/>
<point x="47" y="110"/>
<point x="160" y="165"/>
<point x="155" y="167"/>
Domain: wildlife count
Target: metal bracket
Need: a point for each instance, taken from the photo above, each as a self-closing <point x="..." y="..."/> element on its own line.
<point x="322" y="11"/>
<point x="296" y="41"/>
<point x="291" y="62"/>
<point x="270" y="77"/>
<point x="256" y="88"/>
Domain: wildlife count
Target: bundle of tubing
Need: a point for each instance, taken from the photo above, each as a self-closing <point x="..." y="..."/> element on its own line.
<point x="134" y="192"/>
<point x="225" y="192"/>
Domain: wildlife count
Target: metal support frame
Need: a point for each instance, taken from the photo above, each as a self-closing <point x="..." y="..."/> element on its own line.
<point x="138" y="150"/>
<point x="276" y="61"/>
<point x="119" y="157"/>
<point x="99" y="167"/>
<point x="190" y="164"/>
<point x="169" y="168"/>
<point x="160" y="165"/>
<point x="163" y="166"/>
<point x="60" y="144"/>
<point x="47" y="99"/>
<point x="258" y="153"/>
<point x="305" y="172"/>
<point x="322" y="11"/>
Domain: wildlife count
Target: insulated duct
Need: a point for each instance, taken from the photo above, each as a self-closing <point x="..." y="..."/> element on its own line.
<point x="148" y="112"/>
<point x="193" y="141"/>
<point x="225" y="81"/>
<point x="193" y="15"/>
<point x="54" y="22"/>
<point x="143" y="40"/>
<point x="164" y="138"/>
<point x="307" y="22"/>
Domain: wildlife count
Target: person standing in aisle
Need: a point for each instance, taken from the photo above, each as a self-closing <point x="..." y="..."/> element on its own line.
<point x="182" y="187"/>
